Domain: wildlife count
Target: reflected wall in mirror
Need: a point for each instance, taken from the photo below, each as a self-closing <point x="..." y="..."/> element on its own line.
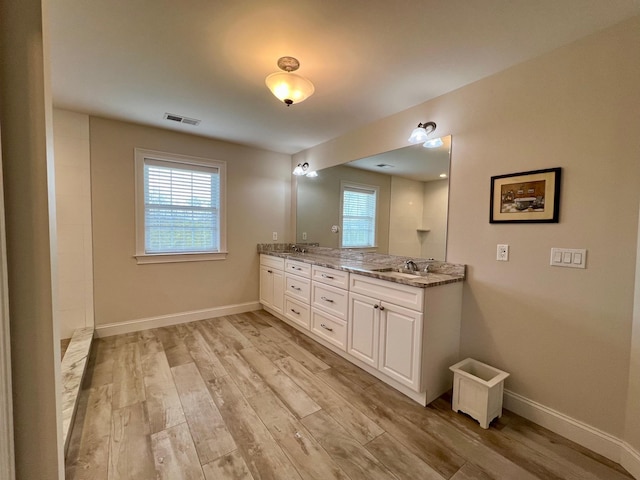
<point x="412" y="201"/>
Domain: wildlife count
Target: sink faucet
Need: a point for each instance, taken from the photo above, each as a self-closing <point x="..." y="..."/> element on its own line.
<point x="411" y="266"/>
<point x="298" y="249"/>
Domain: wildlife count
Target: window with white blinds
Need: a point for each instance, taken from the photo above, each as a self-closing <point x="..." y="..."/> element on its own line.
<point x="358" y="220"/>
<point x="180" y="206"/>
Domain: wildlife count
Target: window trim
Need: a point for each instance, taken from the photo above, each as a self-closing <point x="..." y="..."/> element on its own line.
<point x="145" y="258"/>
<point x="361" y="186"/>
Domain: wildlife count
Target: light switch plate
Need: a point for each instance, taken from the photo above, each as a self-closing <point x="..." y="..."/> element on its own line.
<point x="569" y="257"/>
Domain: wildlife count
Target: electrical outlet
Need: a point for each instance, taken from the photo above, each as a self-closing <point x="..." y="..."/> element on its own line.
<point x="304" y="235"/>
<point x="502" y="254"/>
<point x="275" y="235"/>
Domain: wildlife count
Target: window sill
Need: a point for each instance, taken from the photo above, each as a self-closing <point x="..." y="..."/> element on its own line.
<point x="179" y="257"/>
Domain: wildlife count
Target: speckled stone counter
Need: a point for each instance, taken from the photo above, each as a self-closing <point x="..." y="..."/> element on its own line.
<point x="384" y="267"/>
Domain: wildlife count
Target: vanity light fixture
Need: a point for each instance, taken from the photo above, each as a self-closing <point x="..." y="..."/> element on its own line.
<point x="421" y="134"/>
<point x="289" y="87"/>
<point x="301" y="169"/>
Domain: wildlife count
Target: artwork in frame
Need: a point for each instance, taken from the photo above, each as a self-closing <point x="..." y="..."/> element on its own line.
<point x="526" y="197"/>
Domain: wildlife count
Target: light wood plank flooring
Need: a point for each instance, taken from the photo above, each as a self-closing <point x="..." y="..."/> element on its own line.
<point x="247" y="397"/>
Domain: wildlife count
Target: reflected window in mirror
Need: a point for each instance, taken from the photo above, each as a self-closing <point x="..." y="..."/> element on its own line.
<point x="358" y="215"/>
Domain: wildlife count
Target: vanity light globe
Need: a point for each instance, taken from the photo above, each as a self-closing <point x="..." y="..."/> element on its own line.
<point x="433" y="143"/>
<point x="418" y="135"/>
<point x="289" y="87"/>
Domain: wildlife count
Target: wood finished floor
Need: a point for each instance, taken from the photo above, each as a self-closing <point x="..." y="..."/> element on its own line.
<point x="247" y="397"/>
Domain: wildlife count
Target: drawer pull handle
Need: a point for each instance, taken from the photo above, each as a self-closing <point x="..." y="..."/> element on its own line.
<point x="297" y="313"/>
<point x="326" y="328"/>
<point x="326" y="299"/>
<point x="324" y="275"/>
<point x="296" y="288"/>
<point x="270" y="271"/>
<point x="296" y="268"/>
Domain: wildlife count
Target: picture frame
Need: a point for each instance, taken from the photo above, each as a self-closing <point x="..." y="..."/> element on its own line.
<point x="526" y="197"/>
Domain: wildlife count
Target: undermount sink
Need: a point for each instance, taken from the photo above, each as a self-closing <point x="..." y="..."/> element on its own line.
<point x="416" y="273"/>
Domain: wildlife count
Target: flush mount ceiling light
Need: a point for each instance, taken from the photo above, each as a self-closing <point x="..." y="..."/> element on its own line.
<point x="302" y="168"/>
<point x="421" y="134"/>
<point x="289" y="87"/>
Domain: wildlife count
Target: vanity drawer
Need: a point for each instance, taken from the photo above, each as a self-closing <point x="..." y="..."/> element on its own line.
<point x="330" y="328"/>
<point x="330" y="299"/>
<point x="383" y="290"/>
<point x="299" y="268"/>
<point x="298" y="287"/>
<point x="337" y="278"/>
<point x="297" y="312"/>
<point x="273" y="262"/>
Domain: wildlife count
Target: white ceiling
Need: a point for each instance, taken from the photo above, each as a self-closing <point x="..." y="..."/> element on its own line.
<point x="207" y="59"/>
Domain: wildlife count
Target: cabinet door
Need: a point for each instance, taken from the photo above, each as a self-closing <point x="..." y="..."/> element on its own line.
<point x="400" y="336"/>
<point x="278" y="290"/>
<point x="272" y="288"/>
<point x="363" y="331"/>
<point x="266" y="286"/>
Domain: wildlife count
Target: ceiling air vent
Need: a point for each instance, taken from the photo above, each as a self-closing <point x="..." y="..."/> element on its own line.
<point x="180" y="119"/>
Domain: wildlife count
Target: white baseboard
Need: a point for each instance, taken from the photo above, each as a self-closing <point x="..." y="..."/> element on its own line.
<point x="630" y="460"/>
<point x="173" y="319"/>
<point x="600" y="442"/>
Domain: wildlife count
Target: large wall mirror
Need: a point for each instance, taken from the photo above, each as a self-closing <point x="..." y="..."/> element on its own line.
<point x="408" y="188"/>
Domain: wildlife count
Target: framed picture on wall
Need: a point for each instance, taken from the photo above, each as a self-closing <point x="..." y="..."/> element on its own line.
<point x="526" y="197"/>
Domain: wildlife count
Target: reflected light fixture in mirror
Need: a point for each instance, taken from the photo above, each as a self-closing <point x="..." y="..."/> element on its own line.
<point x="421" y="133"/>
<point x="289" y="87"/>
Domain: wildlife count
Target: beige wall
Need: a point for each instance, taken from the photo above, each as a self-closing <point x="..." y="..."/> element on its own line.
<point x="258" y="203"/>
<point x="320" y="205"/>
<point x="563" y="334"/>
<point x="73" y="204"/>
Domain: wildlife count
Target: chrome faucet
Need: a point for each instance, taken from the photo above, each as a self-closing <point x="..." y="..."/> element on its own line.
<point x="298" y="249"/>
<point x="411" y="266"/>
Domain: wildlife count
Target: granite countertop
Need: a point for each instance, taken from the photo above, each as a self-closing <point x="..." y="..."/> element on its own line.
<point x="384" y="267"/>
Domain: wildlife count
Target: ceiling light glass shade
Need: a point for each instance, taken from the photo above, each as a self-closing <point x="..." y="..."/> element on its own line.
<point x="289" y="87"/>
<point x="312" y="174"/>
<point x="418" y="135"/>
<point x="433" y="143"/>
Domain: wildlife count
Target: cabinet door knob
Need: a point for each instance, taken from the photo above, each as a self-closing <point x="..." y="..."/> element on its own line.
<point x="376" y="306"/>
<point x="326" y="299"/>
<point x="326" y="328"/>
<point x="381" y="308"/>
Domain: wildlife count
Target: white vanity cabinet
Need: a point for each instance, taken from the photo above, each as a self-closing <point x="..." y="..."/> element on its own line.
<point x="405" y="335"/>
<point x="408" y="334"/>
<point x="297" y="293"/>
<point x="382" y="334"/>
<point x="272" y="282"/>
